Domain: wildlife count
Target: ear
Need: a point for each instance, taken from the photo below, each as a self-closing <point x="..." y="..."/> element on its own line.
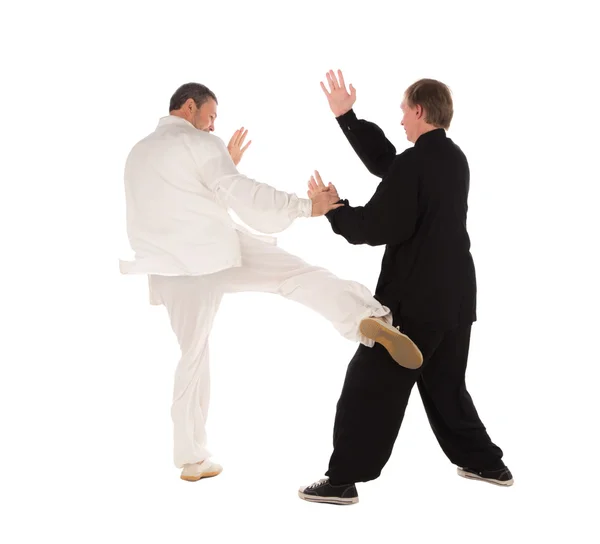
<point x="189" y="104"/>
<point x="420" y="112"/>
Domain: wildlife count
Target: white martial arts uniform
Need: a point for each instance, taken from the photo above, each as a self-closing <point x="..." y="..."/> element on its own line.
<point x="179" y="183"/>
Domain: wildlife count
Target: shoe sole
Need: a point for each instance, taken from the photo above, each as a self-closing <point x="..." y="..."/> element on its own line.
<point x="327" y="500"/>
<point x="201" y="476"/>
<point x="471" y="476"/>
<point x="402" y="349"/>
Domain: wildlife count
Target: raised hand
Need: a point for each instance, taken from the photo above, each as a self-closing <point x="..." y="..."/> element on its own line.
<point x="340" y="100"/>
<point x="324" y="198"/>
<point x="235" y="145"/>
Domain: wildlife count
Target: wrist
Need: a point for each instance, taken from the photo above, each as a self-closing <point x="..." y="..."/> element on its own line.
<point x="340" y="112"/>
<point x="343" y="113"/>
<point x="305" y="207"/>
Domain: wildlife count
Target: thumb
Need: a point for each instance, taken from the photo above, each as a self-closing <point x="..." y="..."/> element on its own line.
<point x="352" y="91"/>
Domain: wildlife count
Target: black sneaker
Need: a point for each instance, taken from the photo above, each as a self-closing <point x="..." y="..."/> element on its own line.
<point x="323" y="491"/>
<point x="502" y="476"/>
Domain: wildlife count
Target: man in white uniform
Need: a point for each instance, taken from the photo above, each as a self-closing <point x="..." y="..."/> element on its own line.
<point x="180" y="181"/>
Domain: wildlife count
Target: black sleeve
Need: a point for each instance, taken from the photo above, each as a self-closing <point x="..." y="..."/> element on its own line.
<point x="369" y="142"/>
<point x="391" y="214"/>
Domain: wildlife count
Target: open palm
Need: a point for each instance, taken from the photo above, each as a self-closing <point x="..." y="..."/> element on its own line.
<point x="235" y="145"/>
<point x="340" y="100"/>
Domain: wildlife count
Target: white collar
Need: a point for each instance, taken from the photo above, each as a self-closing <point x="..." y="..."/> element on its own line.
<point x="174" y="120"/>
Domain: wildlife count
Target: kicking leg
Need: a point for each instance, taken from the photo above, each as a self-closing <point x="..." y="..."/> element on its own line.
<point x="348" y="305"/>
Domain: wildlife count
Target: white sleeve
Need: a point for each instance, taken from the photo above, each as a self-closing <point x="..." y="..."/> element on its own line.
<point x="259" y="205"/>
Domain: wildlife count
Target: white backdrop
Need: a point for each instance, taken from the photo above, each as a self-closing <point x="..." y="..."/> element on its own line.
<point x="87" y="365"/>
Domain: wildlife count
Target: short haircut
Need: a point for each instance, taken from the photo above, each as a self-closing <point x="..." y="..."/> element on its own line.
<point x="435" y="98"/>
<point x="196" y="91"/>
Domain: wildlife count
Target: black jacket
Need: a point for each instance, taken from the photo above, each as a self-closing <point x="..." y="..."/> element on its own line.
<point x="419" y="211"/>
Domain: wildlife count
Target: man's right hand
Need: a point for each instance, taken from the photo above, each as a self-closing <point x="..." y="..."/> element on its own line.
<point x="235" y="145"/>
<point x="324" y="198"/>
<point x="340" y="101"/>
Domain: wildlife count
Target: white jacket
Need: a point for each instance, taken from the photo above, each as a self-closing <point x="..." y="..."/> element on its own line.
<point x="179" y="183"/>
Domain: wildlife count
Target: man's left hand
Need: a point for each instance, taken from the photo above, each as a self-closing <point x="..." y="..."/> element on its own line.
<point x="235" y="145"/>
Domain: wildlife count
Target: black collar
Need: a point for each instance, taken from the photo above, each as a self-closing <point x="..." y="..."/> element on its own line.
<point x="434" y="135"/>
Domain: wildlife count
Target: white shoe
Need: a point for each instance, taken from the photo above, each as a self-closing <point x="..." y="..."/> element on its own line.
<point x="402" y="349"/>
<point x="196" y="471"/>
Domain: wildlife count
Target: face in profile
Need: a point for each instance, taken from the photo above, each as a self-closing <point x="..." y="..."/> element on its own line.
<point x="410" y="120"/>
<point x="203" y="118"/>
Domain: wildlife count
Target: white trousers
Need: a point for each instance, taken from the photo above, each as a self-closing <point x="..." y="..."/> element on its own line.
<point x="192" y="302"/>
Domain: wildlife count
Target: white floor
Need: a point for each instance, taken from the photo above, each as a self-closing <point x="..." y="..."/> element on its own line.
<point x="91" y="461"/>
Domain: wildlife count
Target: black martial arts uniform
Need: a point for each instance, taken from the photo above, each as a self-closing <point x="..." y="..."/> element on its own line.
<point x="427" y="279"/>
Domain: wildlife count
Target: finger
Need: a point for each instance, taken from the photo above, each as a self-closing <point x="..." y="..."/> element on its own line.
<point x="332" y="85"/>
<point x="312" y="184"/>
<point x="233" y="138"/>
<point x="240" y="138"/>
<point x="328" y="77"/>
<point x="316" y="178"/>
<point x="327" y="93"/>
<point x="246" y="146"/>
<point x="341" y="78"/>
<point x="337" y="206"/>
<point x="319" y="180"/>
<point x="352" y="91"/>
<point x="336" y="85"/>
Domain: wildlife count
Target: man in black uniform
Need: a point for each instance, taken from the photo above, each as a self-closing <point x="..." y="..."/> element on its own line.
<point x="419" y="211"/>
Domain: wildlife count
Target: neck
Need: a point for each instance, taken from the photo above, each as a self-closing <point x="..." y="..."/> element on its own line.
<point x="424" y="130"/>
<point x="182" y="114"/>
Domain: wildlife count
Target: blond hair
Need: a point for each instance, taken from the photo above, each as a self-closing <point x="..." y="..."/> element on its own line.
<point x="435" y="98"/>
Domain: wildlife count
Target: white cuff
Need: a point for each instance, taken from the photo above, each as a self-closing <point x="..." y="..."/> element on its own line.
<point x="305" y="207"/>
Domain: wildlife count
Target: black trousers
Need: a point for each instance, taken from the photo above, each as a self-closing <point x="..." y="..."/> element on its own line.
<point x="375" y="395"/>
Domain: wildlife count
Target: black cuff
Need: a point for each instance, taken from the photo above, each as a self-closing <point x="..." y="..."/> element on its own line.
<point x="331" y="213"/>
<point x="347" y="119"/>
